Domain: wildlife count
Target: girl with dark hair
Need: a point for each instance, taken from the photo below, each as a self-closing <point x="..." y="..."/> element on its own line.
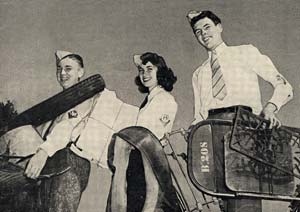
<point x="165" y="76"/>
<point x="157" y="112"/>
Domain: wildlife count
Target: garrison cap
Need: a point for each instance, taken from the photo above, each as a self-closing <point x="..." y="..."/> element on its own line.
<point x="137" y="60"/>
<point x="192" y="14"/>
<point x="59" y="54"/>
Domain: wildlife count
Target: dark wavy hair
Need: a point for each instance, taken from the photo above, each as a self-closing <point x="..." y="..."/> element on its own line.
<point x="165" y="75"/>
<point x="206" y="14"/>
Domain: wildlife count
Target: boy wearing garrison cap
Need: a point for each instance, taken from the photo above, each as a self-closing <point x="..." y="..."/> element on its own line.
<point x="229" y="77"/>
<point x="63" y="192"/>
<point x="83" y="132"/>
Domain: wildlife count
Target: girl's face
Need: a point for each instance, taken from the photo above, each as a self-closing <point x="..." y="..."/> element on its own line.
<point x="147" y="74"/>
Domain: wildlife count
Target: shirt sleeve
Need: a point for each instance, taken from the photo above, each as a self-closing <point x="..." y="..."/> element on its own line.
<point x="159" y="115"/>
<point x="264" y="67"/>
<point x="165" y="118"/>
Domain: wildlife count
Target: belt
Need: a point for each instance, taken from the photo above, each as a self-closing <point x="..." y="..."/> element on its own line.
<point x="232" y="109"/>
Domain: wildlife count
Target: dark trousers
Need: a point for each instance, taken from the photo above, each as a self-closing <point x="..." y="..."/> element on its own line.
<point x="218" y="133"/>
<point x="136" y="183"/>
<point x="62" y="193"/>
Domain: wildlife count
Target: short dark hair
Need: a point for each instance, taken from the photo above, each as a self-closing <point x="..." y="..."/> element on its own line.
<point x="206" y="14"/>
<point x="75" y="57"/>
<point x="165" y="75"/>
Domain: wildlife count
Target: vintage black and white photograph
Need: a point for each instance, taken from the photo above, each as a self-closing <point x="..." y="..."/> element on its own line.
<point x="149" y="106"/>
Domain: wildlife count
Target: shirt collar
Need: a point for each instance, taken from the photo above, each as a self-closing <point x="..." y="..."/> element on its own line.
<point x="154" y="92"/>
<point x="219" y="49"/>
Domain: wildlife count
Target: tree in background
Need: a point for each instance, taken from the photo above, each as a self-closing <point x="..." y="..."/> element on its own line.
<point x="7" y="112"/>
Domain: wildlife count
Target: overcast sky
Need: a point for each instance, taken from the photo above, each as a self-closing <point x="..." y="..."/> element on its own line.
<point x="108" y="32"/>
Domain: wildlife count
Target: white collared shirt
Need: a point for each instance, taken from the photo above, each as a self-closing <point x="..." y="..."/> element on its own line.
<point x="159" y="113"/>
<point x="65" y="128"/>
<point x="102" y="115"/>
<point x="241" y="66"/>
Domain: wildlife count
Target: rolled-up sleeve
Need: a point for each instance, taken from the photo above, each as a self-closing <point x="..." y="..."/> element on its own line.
<point x="163" y="117"/>
<point x="264" y="67"/>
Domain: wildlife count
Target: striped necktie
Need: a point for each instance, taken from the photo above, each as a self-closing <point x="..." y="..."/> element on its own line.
<point x="218" y="84"/>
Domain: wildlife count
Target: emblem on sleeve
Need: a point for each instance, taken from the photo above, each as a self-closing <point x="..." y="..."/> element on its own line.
<point x="72" y="114"/>
<point x="165" y="119"/>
